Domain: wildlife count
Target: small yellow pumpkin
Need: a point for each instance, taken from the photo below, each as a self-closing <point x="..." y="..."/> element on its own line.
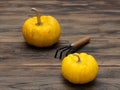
<point x="41" y="31"/>
<point x="79" y="68"/>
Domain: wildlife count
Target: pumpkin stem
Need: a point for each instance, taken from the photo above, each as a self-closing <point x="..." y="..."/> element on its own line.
<point x="37" y="15"/>
<point x="79" y="61"/>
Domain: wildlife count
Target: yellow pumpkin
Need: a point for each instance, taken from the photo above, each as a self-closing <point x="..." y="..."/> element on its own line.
<point x="79" y="68"/>
<point x="41" y="31"/>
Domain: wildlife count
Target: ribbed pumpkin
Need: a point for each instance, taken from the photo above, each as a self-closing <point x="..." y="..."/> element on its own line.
<point x="41" y="31"/>
<point x="79" y="68"/>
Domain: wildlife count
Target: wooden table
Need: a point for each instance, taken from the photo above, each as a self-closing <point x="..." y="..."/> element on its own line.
<point x="23" y="67"/>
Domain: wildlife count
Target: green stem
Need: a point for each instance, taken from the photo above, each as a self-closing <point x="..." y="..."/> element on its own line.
<point x="37" y="15"/>
<point x="79" y="61"/>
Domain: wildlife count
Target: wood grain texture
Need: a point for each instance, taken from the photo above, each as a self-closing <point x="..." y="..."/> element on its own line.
<point x="41" y="78"/>
<point x="23" y="67"/>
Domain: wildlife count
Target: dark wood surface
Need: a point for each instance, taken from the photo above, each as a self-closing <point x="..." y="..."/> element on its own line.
<point x="23" y="67"/>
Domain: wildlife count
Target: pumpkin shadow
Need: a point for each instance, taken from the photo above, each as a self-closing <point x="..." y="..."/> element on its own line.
<point x="80" y="86"/>
<point x="41" y="48"/>
<point x="40" y="52"/>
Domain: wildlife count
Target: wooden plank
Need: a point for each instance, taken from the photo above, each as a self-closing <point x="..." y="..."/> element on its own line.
<point x="41" y="78"/>
<point x="15" y="53"/>
<point x="23" y="67"/>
